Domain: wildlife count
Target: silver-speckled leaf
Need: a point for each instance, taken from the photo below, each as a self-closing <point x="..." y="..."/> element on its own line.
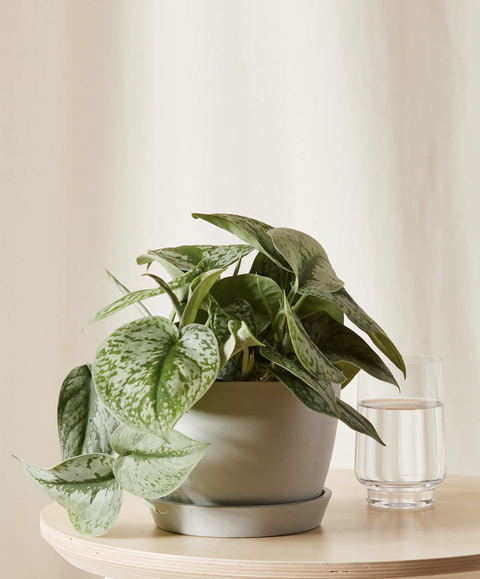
<point x="186" y="257"/>
<point x="241" y="337"/>
<point x="362" y="320"/>
<point x="229" y="289"/>
<point x="178" y="283"/>
<point x="340" y="344"/>
<point x="311" y="358"/>
<point x="150" y="467"/>
<point x="84" y="423"/>
<point x="307" y="258"/>
<point x="86" y="487"/>
<point x="218" y="317"/>
<point x="318" y="383"/>
<point x="119" y="285"/>
<point x="148" y="375"/>
<point x="310" y="304"/>
<point x="311" y="399"/>
<point x="263" y="265"/>
<point x="253" y="232"/>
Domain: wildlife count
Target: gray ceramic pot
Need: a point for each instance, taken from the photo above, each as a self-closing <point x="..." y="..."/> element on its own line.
<point x="265" y="470"/>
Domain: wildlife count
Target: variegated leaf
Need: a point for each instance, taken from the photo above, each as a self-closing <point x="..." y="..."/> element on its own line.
<point x="242" y="311"/>
<point x="340" y="344"/>
<point x="84" y="423"/>
<point x="318" y="383"/>
<point x="263" y="265"/>
<point x="246" y="286"/>
<point x="180" y="282"/>
<point x="86" y="487"/>
<point x="148" y="375"/>
<point x="311" y="399"/>
<point x="148" y="466"/>
<point x="253" y="232"/>
<point x="239" y="310"/>
<point x="241" y="337"/>
<point x="203" y="285"/>
<point x="311" y="358"/>
<point x="362" y="320"/>
<point x="307" y="259"/>
<point x="141" y="308"/>
<point x="310" y="304"/>
<point x="186" y="257"/>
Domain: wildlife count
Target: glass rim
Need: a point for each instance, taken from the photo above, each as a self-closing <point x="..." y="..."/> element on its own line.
<point x="417" y="359"/>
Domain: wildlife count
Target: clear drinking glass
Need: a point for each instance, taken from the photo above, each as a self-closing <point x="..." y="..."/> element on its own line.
<point x="404" y="473"/>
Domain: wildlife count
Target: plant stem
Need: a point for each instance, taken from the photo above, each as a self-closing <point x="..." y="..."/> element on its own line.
<point x="300" y="301"/>
<point x="245" y="361"/>
<point x="237" y="267"/>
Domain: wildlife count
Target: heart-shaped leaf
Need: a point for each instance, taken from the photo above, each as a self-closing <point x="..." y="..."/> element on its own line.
<point x="246" y="286"/>
<point x="362" y="320"/>
<point x="340" y="344"/>
<point x="311" y="399"/>
<point x="150" y="467"/>
<point x="148" y="375"/>
<point x="311" y="358"/>
<point x="186" y="257"/>
<point x="253" y="232"/>
<point x="180" y="282"/>
<point x="86" y="487"/>
<point x="307" y="259"/>
<point x="84" y="423"/>
<point x="318" y="383"/>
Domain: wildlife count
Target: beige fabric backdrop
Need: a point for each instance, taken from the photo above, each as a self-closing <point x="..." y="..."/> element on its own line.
<point x="354" y="120"/>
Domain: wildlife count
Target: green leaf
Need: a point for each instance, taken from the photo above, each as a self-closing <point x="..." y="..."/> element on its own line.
<point x="311" y="358"/>
<point x="253" y="232"/>
<point x="340" y="344"/>
<point x="148" y="375"/>
<point x="180" y="282"/>
<point x="86" y="487"/>
<point x="263" y="265"/>
<point x="150" y="467"/>
<point x="311" y="399"/>
<point x="171" y="294"/>
<point x="229" y="289"/>
<point x="310" y="304"/>
<point x="350" y="371"/>
<point x="319" y="384"/>
<point x="218" y="318"/>
<point x="362" y="320"/>
<point x="202" y="287"/>
<point x="241" y="337"/>
<point x="142" y="309"/>
<point x="186" y="257"/>
<point x="84" y="423"/>
<point x="307" y="258"/>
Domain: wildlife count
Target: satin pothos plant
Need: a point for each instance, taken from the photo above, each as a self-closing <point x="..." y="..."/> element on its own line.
<point x="282" y="321"/>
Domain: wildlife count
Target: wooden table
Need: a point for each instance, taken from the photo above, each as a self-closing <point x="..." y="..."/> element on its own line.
<point x="354" y="541"/>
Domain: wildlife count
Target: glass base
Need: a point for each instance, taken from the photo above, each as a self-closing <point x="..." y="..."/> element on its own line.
<point x="400" y="497"/>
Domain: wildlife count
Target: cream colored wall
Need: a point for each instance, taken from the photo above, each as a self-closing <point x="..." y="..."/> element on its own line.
<point x="354" y="121"/>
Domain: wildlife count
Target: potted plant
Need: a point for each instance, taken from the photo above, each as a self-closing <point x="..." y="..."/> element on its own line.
<point x="247" y="370"/>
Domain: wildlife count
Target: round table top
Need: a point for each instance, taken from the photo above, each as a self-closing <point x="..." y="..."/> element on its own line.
<point x="353" y="539"/>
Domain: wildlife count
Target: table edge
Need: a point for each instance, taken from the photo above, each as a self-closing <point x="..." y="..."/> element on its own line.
<point x="104" y="557"/>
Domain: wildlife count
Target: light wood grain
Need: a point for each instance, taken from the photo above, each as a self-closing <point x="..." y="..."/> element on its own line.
<point x="354" y="540"/>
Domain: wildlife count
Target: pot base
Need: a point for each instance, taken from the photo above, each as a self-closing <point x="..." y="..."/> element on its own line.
<point x="241" y="521"/>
